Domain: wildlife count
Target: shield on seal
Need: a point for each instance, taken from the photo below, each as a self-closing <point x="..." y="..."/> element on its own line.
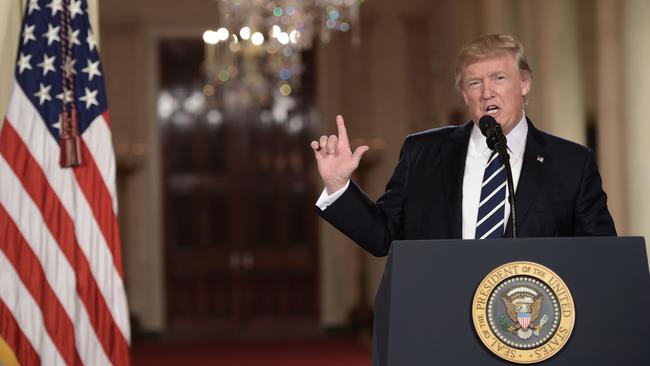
<point x="523" y="319"/>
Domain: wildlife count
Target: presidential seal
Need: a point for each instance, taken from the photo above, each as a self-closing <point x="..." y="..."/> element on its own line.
<point x="523" y="312"/>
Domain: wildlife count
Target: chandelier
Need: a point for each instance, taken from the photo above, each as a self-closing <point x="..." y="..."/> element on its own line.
<point x="255" y="52"/>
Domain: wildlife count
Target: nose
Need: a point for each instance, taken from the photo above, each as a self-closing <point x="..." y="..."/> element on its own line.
<point x="487" y="92"/>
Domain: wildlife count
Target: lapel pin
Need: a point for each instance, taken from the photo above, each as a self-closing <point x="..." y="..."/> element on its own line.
<point x="540" y="158"/>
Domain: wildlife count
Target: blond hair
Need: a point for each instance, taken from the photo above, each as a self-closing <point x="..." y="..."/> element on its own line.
<point x="490" y="46"/>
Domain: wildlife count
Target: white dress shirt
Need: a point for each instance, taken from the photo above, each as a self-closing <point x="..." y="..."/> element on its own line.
<point x="477" y="158"/>
<point x="478" y="154"/>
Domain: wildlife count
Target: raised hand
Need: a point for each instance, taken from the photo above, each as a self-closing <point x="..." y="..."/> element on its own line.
<point x="336" y="161"/>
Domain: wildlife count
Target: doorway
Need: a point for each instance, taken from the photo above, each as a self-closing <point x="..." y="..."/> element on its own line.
<point x="238" y="194"/>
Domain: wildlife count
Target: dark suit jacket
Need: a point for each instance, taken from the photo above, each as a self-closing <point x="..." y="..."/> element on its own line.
<point x="561" y="196"/>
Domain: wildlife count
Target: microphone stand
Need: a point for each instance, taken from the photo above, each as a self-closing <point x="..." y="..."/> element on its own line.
<point x="502" y="149"/>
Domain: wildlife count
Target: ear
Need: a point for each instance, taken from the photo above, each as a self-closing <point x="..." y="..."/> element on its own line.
<point x="465" y="97"/>
<point x="525" y="85"/>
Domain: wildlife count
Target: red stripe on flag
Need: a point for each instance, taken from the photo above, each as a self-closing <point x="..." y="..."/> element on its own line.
<point x="92" y="185"/>
<point x="107" y="118"/>
<point x="15" y="338"/>
<point x="61" y="227"/>
<point x="31" y="274"/>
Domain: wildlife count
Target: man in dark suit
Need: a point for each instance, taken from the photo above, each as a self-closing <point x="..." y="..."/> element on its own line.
<point x="449" y="185"/>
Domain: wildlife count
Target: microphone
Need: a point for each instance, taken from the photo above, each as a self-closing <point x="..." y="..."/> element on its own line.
<point x="496" y="141"/>
<point x="494" y="137"/>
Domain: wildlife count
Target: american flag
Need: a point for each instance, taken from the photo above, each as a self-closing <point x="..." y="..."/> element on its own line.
<point x="62" y="297"/>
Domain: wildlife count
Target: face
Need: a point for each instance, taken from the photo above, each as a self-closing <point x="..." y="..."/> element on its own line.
<point x="494" y="86"/>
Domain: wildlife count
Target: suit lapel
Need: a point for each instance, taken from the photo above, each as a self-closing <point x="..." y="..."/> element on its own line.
<point x="532" y="176"/>
<point x="453" y="163"/>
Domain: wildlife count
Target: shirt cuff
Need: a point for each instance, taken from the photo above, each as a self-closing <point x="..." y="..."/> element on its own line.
<point x="325" y="200"/>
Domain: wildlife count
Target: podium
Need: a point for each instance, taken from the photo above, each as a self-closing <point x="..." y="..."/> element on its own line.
<point x="423" y="307"/>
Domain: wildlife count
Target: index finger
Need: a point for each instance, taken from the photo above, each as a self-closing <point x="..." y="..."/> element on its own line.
<point x="343" y="133"/>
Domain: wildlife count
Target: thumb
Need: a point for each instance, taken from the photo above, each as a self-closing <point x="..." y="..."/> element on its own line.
<point x="358" y="153"/>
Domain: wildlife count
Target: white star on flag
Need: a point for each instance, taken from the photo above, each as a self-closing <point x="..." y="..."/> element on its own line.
<point x="57" y="125"/>
<point x="67" y="98"/>
<point x="91" y="40"/>
<point x="90" y="98"/>
<point x="33" y="5"/>
<point x="74" y="37"/>
<point x="75" y="8"/>
<point x="52" y="34"/>
<point x="69" y="67"/>
<point x="23" y="63"/>
<point x="92" y="69"/>
<point x="28" y="34"/>
<point x="47" y="64"/>
<point x="43" y="94"/>
<point x="55" y="5"/>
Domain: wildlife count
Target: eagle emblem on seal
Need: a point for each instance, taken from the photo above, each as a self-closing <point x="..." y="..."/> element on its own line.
<point x="523" y="306"/>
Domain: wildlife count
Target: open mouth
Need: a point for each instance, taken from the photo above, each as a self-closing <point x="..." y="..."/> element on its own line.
<point x="492" y="110"/>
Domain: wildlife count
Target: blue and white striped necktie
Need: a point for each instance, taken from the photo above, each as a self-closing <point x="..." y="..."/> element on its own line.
<point x="492" y="205"/>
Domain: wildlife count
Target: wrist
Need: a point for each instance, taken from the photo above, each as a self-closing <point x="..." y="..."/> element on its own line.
<point x="332" y="187"/>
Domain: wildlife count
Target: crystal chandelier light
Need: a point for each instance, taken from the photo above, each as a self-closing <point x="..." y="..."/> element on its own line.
<point x="256" y="50"/>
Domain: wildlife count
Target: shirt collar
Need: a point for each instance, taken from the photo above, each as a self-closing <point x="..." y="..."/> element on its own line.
<point x="516" y="139"/>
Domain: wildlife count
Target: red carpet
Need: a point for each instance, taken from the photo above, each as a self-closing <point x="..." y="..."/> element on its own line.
<point x="272" y="353"/>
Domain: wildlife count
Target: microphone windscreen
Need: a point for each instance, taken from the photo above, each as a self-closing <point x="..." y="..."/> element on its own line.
<point x="485" y="123"/>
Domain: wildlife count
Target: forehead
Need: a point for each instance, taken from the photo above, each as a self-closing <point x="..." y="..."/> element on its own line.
<point x="493" y="64"/>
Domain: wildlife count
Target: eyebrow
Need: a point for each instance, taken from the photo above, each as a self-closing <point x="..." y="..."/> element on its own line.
<point x="498" y="73"/>
<point x="476" y="77"/>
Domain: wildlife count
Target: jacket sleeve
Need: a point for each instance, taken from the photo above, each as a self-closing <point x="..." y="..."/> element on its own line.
<point x="592" y="217"/>
<point x="372" y="225"/>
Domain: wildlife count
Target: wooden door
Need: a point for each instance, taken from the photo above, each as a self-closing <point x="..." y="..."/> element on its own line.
<point x="240" y="242"/>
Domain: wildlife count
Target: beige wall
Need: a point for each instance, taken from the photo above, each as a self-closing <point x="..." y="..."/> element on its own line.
<point x="10" y="17"/>
<point x="636" y="58"/>
<point x="609" y="90"/>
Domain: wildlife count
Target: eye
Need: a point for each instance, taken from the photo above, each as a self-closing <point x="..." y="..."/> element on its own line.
<point x="473" y="83"/>
<point x="501" y="77"/>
